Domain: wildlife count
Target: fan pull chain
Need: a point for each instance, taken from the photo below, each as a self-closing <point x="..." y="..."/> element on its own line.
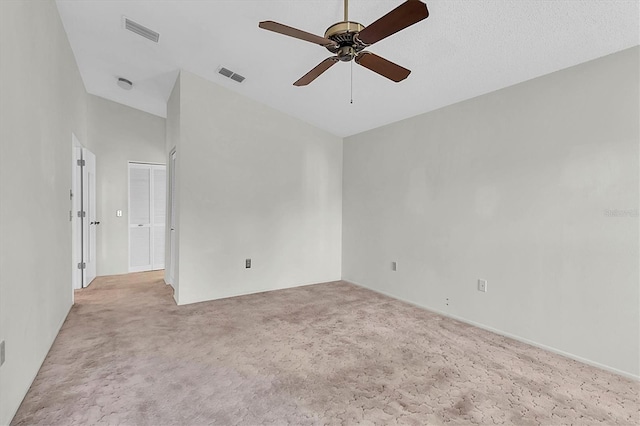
<point x="351" y="81"/>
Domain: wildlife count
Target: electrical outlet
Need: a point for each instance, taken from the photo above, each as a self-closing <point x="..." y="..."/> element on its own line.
<point x="1" y="352"/>
<point x="247" y="263"/>
<point x="118" y="213"/>
<point x="394" y="266"/>
<point x="482" y="286"/>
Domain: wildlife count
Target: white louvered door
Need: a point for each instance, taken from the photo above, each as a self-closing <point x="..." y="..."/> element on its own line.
<point x="146" y="216"/>
<point x="159" y="212"/>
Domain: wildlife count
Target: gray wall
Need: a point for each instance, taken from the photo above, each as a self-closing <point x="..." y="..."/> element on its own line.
<point x="253" y="183"/>
<point x="42" y="102"/>
<point x="513" y="187"/>
<point x="118" y="134"/>
<point x="171" y="143"/>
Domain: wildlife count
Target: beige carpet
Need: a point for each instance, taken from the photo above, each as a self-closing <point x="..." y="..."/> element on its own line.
<point x="324" y="354"/>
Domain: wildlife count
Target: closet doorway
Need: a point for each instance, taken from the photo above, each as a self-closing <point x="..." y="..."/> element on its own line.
<point x="147" y="211"/>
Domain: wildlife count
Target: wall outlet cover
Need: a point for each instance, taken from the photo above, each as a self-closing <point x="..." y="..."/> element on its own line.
<point x="482" y="286"/>
<point x="394" y="266"/>
<point x="247" y="263"/>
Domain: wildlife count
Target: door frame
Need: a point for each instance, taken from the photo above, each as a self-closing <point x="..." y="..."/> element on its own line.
<point x="171" y="222"/>
<point x="76" y="225"/>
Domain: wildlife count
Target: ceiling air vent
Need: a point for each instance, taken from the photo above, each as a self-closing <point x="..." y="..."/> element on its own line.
<point x="225" y="72"/>
<point x="237" y="77"/>
<point x="230" y="74"/>
<point x="140" y="30"/>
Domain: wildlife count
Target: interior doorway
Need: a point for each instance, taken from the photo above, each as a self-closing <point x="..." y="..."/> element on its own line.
<point x="147" y="212"/>
<point x="83" y="215"/>
<point x="172" y="221"/>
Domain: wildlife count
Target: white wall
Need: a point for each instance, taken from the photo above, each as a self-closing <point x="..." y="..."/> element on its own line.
<point x="511" y="187"/>
<point x="42" y="102"/>
<point x="253" y="183"/>
<point x="118" y="134"/>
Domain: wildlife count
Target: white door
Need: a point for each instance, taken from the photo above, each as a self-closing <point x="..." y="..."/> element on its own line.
<point x="87" y="215"/>
<point x="146" y="216"/>
<point x="90" y="219"/>
<point x="172" y="219"/>
<point x="159" y="208"/>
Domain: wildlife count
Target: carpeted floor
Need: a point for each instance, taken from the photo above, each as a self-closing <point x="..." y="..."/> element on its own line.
<point x="324" y="354"/>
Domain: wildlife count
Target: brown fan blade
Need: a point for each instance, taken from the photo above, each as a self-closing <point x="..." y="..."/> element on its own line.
<point x="295" y="33"/>
<point x="382" y="66"/>
<point x="315" y="73"/>
<point x="403" y="16"/>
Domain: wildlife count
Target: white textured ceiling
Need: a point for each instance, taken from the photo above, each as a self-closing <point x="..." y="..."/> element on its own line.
<point x="464" y="49"/>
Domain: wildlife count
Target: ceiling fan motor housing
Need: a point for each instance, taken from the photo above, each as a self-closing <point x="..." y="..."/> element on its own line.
<point x="345" y="35"/>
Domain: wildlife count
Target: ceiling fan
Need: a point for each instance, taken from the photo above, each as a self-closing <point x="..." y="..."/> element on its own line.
<point x="347" y="40"/>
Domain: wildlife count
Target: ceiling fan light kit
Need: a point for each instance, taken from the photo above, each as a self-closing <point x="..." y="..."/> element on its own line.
<point x="347" y="40"/>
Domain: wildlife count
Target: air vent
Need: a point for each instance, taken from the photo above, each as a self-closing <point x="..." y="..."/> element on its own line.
<point x="141" y="30"/>
<point x="237" y="77"/>
<point x="230" y="74"/>
<point x="225" y="72"/>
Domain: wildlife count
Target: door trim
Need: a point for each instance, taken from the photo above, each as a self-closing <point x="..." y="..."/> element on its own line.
<point x="171" y="225"/>
<point x="76" y="224"/>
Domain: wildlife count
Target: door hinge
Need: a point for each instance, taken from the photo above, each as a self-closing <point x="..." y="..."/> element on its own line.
<point x="82" y="265"/>
<point x="81" y="163"/>
<point x="82" y="213"/>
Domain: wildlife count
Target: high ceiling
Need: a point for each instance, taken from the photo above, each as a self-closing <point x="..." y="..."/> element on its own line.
<point x="464" y="49"/>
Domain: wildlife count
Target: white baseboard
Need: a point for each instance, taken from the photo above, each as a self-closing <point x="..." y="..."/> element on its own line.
<point x="506" y="334"/>
<point x="257" y="290"/>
